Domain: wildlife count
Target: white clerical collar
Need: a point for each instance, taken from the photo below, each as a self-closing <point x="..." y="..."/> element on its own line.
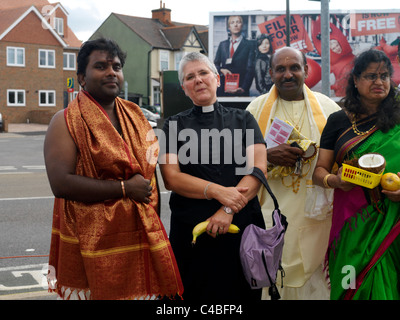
<point x="206" y="109"/>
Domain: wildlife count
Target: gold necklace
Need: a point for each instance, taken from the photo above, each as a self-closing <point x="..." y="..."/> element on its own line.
<point x="296" y="125"/>
<point x="358" y="132"/>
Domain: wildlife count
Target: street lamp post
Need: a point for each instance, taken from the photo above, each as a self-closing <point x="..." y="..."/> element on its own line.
<point x="325" y="50"/>
<point x="287" y="24"/>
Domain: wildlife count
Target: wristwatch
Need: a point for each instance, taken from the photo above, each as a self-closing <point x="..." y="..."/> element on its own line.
<point x="228" y="210"/>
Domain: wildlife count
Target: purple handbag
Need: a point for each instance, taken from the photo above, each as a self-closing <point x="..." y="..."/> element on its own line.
<point x="261" y="249"/>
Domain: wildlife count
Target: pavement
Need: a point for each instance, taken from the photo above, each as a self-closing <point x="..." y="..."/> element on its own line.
<point x="26" y="127"/>
<point x="34" y="295"/>
<point x="31" y="128"/>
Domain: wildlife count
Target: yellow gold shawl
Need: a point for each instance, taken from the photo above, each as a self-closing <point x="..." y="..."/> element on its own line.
<point x="311" y="100"/>
<point x="116" y="249"/>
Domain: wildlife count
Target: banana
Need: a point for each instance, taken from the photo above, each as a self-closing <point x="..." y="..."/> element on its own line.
<point x="202" y="227"/>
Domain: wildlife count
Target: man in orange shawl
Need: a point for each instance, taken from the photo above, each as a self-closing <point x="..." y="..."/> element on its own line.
<point x="107" y="238"/>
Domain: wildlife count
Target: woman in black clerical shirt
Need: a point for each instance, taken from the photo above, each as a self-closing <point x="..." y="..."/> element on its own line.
<point x="208" y="150"/>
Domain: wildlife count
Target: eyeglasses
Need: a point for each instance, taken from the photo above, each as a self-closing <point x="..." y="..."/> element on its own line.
<point x="373" y="77"/>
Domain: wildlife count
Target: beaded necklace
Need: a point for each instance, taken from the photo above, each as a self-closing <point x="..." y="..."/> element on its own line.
<point x="295" y="185"/>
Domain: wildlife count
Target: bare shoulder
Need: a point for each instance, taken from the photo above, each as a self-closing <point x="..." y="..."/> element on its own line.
<point x="58" y="131"/>
<point x="57" y="124"/>
<point x="57" y="119"/>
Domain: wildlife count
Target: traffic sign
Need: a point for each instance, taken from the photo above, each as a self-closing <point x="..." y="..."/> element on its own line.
<point x="70" y="83"/>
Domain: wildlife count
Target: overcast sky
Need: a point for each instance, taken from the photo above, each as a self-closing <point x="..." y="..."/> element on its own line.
<point x="85" y="16"/>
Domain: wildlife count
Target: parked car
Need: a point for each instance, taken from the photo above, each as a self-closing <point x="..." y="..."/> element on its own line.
<point x="154" y="109"/>
<point x="150" y="115"/>
<point x="153" y="124"/>
<point x="1" y="123"/>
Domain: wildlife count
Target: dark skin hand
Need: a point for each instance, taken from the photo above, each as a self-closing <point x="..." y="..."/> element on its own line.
<point x="284" y="155"/>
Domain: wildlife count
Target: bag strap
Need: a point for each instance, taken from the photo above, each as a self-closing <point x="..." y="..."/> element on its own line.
<point x="265" y="266"/>
<point x="256" y="172"/>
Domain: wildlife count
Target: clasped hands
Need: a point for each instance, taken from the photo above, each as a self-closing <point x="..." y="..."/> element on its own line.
<point x="232" y="197"/>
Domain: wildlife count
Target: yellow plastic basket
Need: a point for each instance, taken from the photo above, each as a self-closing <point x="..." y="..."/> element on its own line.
<point x="360" y="177"/>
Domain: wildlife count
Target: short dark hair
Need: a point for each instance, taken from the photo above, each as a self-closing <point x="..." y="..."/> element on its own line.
<point x="101" y="44"/>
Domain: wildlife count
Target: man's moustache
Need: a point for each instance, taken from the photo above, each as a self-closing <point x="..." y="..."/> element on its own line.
<point x="289" y="80"/>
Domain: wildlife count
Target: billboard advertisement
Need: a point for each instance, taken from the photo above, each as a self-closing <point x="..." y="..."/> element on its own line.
<point x="241" y="44"/>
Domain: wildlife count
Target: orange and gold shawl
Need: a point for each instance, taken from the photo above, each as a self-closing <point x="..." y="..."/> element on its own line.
<point x="116" y="249"/>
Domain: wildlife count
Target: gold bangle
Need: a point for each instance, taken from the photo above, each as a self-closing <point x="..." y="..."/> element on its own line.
<point x="205" y="190"/>
<point x="123" y="189"/>
<point x="326" y="184"/>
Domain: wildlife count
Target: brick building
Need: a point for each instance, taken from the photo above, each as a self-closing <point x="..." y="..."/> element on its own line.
<point x="37" y="60"/>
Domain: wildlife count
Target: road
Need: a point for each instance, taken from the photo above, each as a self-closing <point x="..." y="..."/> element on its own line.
<point x="26" y="203"/>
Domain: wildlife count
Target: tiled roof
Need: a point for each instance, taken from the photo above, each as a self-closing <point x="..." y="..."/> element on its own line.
<point x="9" y="16"/>
<point x="157" y="34"/>
<point x="12" y="10"/>
<point x="177" y="35"/>
<point x="8" y="4"/>
<point x="147" y="29"/>
<point x="72" y="40"/>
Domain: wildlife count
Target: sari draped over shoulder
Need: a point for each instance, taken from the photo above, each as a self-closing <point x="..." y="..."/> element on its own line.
<point x="116" y="249"/>
<point x="363" y="252"/>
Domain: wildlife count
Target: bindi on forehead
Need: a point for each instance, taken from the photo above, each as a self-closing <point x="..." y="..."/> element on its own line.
<point x="287" y="59"/>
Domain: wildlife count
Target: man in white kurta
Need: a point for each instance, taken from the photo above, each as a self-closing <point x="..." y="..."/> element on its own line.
<point x="307" y="207"/>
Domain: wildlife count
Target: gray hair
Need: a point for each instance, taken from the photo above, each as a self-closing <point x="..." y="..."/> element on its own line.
<point x="195" y="56"/>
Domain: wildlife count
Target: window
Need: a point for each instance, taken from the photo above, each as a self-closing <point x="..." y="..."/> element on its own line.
<point x="156" y="95"/>
<point x="69" y="61"/>
<point x="47" y="98"/>
<point x="59" y="25"/>
<point x="164" y="60"/>
<point x="178" y="57"/>
<point x="15" y="57"/>
<point x="16" y="98"/>
<point x="47" y="58"/>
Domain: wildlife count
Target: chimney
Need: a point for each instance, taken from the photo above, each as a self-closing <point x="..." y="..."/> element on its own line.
<point x="162" y="14"/>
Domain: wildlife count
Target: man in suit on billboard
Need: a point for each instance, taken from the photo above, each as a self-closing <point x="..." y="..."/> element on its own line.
<point x="235" y="61"/>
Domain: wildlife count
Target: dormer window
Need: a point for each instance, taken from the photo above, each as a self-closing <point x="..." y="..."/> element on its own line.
<point x="59" y="26"/>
